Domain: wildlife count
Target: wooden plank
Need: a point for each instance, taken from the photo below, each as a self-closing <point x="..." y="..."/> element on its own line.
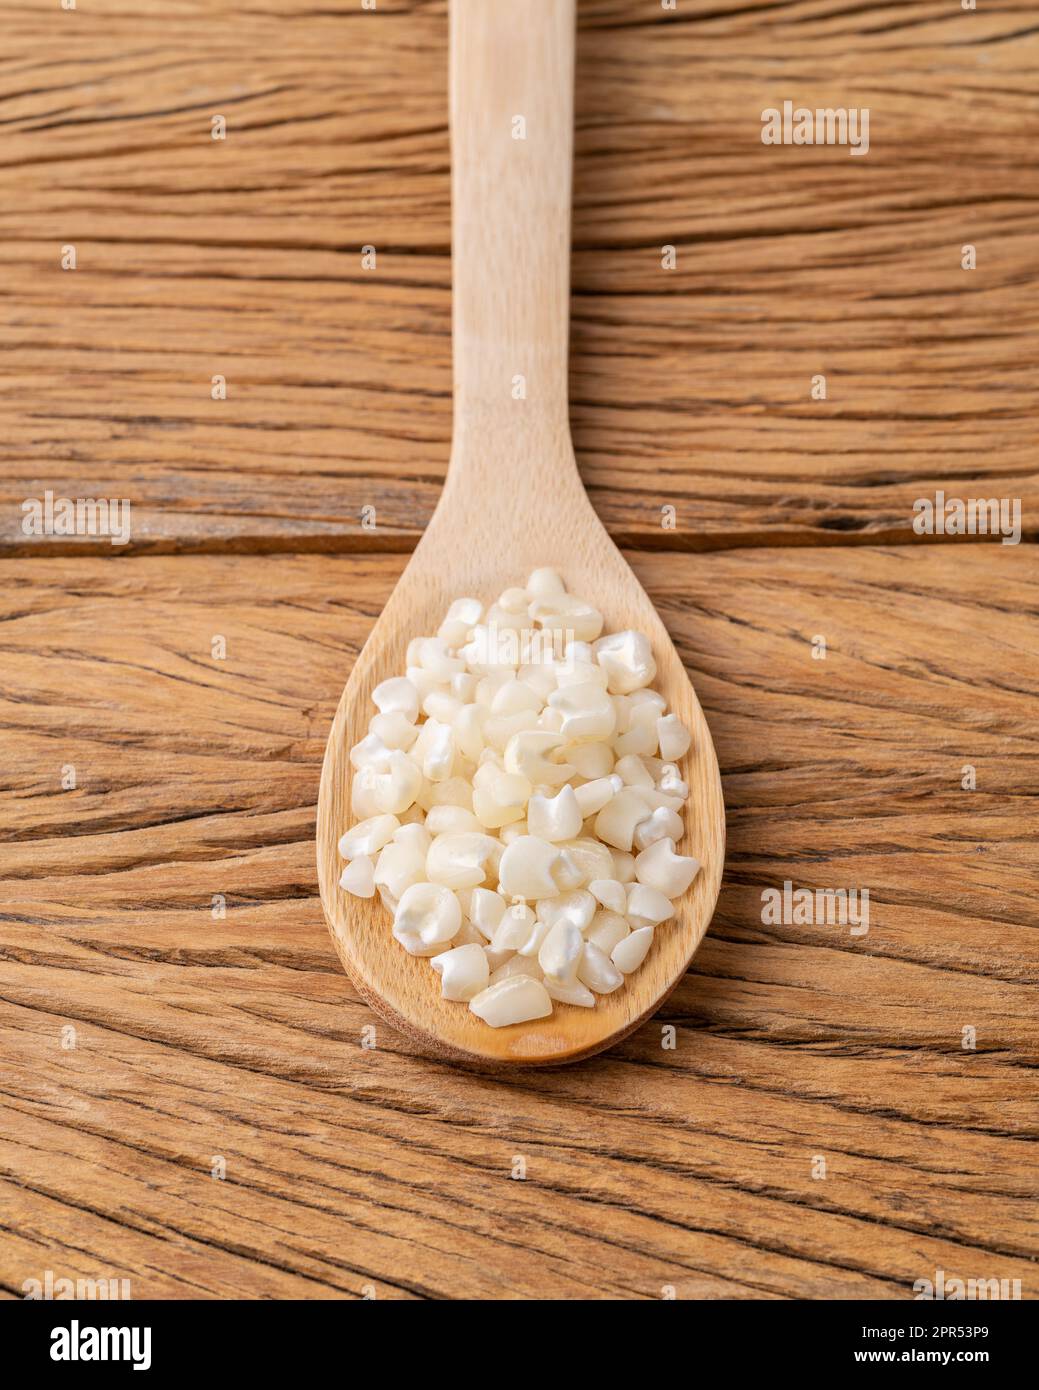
<point x="690" y="388"/>
<point x="199" y="1037"/>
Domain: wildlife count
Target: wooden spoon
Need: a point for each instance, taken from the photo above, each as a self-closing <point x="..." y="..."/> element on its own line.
<point x="513" y="501"/>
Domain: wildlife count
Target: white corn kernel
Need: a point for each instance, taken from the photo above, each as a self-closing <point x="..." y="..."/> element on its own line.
<point x="649" y="701"/>
<point x="459" y="860"/>
<point x="513" y="696"/>
<point x="398" y="867"/>
<point x="661" y="868"/>
<point x="514" y="601"/>
<point x="394" y="730"/>
<point x="633" y="772"/>
<point x="481" y="654"/>
<point x="526" y="868"/>
<point x="568" y="871"/>
<point x="499" y="728"/>
<point x="672" y="783"/>
<point x="527" y="754"/>
<point x="591" y="760"/>
<point x="590" y="860"/>
<point x="555" y="817"/>
<point x="622" y="709"/>
<point x="492" y="814"/>
<point x="463" y="687"/>
<point x="581" y="673"/>
<point x="593" y="796"/>
<point x="661" y="825"/>
<point x="516" y="965"/>
<point x="397" y="695"/>
<point x="517" y="999"/>
<point x="588" y="714"/>
<point x="370" y="752"/>
<point x="497" y="958"/>
<point x="434" y="750"/>
<point x="617" y="820"/>
<point x="489" y="685"/>
<point x="610" y="893"/>
<point x="579" y="651"/>
<point x="545" y="583"/>
<point x="463" y="972"/>
<point x="435" y="657"/>
<point x="368" y="836"/>
<point x="516" y="929"/>
<point x="428" y="915"/>
<point x="467" y="935"/>
<point x="417" y="837"/>
<point x="673" y="737"/>
<point x="467" y="727"/>
<point x="565" y="613"/>
<point x="423" y="681"/>
<point x="504" y="621"/>
<point x="623" y="866"/>
<point x="540" y="677"/>
<point x="560" y="953"/>
<point x="358" y="877"/>
<point x="395" y="789"/>
<point x="508" y="790"/>
<point x="573" y="992"/>
<point x="629" y="954"/>
<point x="447" y="820"/>
<point x="463" y="614"/>
<point x="441" y="706"/>
<point x="640" y="738"/>
<point x="597" y="971"/>
<point x="606" y="930"/>
<point x="513" y="831"/>
<point x="658" y="800"/>
<point x="646" y="907"/>
<point x="485" y="911"/>
<point x="627" y="659"/>
<point x="532" y="945"/>
<point x="577" y="908"/>
<point x="455" y="791"/>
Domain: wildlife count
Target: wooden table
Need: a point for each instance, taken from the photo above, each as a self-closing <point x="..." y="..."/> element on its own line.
<point x="187" y="1101"/>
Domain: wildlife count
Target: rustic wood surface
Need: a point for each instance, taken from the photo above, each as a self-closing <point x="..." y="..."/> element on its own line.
<point x="241" y="1037"/>
<point x="690" y="387"/>
<point x="201" y="1037"/>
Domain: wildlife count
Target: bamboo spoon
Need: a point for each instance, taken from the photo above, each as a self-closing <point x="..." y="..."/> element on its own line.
<point x="513" y="501"/>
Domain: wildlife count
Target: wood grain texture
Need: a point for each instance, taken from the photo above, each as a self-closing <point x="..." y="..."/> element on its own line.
<point x="690" y="388"/>
<point x="239" y="1037"/>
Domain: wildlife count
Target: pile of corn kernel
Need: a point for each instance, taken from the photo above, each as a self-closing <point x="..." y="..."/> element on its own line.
<point x="520" y="803"/>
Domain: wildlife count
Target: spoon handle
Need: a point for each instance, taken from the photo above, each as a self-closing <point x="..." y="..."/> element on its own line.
<point x="512" y="98"/>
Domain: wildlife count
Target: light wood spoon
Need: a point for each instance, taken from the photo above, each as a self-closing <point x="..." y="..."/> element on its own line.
<point x="513" y="501"/>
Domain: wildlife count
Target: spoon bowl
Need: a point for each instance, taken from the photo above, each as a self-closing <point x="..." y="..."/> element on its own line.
<point x="513" y="502"/>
